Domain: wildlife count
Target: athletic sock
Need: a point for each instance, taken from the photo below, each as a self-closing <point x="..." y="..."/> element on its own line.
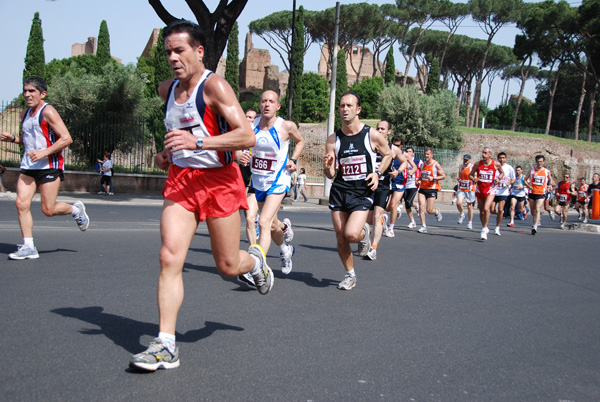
<point x="168" y="340"/>
<point x="391" y="226"/>
<point x="75" y="211"/>
<point x="351" y="273"/>
<point x="28" y="242"/>
<point x="284" y="248"/>
<point x="374" y="247"/>
<point x="256" y="268"/>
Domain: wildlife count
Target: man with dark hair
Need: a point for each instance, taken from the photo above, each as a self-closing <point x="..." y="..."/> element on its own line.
<point x="486" y="175"/>
<point x="465" y="191"/>
<point x="503" y="191"/>
<point x="431" y="174"/>
<point x="44" y="137"/>
<point x="205" y="123"/>
<point x="351" y="153"/>
<point x="538" y="180"/>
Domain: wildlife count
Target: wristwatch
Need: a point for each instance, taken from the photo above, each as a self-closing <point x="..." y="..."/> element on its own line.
<point x="199" y="144"/>
<point x="295" y="161"/>
<point x="379" y="173"/>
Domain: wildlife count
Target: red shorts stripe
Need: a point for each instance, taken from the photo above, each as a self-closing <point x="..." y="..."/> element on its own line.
<point x="216" y="192"/>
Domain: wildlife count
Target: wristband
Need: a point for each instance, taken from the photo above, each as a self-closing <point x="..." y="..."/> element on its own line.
<point x="14" y="138"/>
<point x="295" y="161"/>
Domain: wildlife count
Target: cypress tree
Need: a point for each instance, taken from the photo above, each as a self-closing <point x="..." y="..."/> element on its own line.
<point x="232" y="65"/>
<point x="35" y="59"/>
<point x="390" y="68"/>
<point x="433" y="78"/>
<point x="103" y="50"/>
<point x="162" y="70"/>
<point x="341" y="83"/>
<point x="298" y="67"/>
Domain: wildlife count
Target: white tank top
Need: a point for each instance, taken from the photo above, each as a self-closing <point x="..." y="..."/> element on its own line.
<point x="196" y="117"/>
<point x="38" y="136"/>
<point x="269" y="157"/>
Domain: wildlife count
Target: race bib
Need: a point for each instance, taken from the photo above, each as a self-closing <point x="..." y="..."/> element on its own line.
<point x="503" y="182"/>
<point x="486" y="177"/>
<point x="563" y="197"/>
<point x="582" y="194"/>
<point x="539" y="180"/>
<point x="354" y="167"/>
<point x="189" y="122"/>
<point x="426" y="175"/>
<point x="263" y="163"/>
<point x="464" y="185"/>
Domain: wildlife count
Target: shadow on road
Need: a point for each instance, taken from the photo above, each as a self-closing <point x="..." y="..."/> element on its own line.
<point x="126" y="332"/>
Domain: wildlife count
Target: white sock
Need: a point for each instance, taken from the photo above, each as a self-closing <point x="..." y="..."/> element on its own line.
<point x="391" y="226"/>
<point x="28" y="242"/>
<point x="168" y="340"/>
<point x="256" y="268"/>
<point x="75" y="211"/>
<point x="284" y="248"/>
<point x="351" y="273"/>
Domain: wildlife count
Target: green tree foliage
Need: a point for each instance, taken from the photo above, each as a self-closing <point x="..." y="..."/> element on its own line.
<point x="102" y="111"/>
<point x="390" y="68"/>
<point x="315" y="99"/>
<point x="422" y="120"/>
<point x="232" y="66"/>
<point x="369" y="90"/>
<point x="35" y="60"/>
<point x="297" y="67"/>
<point x="433" y="79"/>
<point x="528" y="116"/>
<point x="103" y="50"/>
<point x="341" y="84"/>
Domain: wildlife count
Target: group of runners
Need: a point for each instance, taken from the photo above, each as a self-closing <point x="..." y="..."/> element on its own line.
<point x="208" y="131"/>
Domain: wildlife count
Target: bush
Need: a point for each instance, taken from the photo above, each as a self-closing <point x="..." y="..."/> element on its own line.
<point x="422" y="120"/>
<point x="369" y="90"/>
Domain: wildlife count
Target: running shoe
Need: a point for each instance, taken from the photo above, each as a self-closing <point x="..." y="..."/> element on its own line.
<point x="101" y="193"/>
<point x="484" y="233"/>
<point x="111" y="193"/>
<point x="470" y="225"/>
<point x="497" y="231"/>
<point x="385" y="219"/>
<point x="286" y="260"/>
<point x="533" y="230"/>
<point x="365" y="243"/>
<point x="24" y="252"/>
<point x="399" y="210"/>
<point x="371" y="255"/>
<point x="438" y="215"/>
<point x="82" y="219"/>
<point x="511" y="225"/>
<point x="423" y="229"/>
<point x="247" y="279"/>
<point x="264" y="277"/>
<point x="585" y="220"/>
<point x="580" y="216"/>
<point x="562" y="225"/>
<point x="453" y="201"/>
<point x="348" y="283"/>
<point x="288" y="234"/>
<point x="552" y="215"/>
<point x="156" y="356"/>
<point x="461" y="218"/>
<point x="412" y="225"/>
<point x="390" y="232"/>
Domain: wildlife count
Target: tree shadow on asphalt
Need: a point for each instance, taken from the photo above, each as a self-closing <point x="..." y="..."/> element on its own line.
<point x="126" y="332"/>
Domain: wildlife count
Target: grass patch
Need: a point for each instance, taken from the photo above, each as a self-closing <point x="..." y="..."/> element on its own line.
<point x="575" y="144"/>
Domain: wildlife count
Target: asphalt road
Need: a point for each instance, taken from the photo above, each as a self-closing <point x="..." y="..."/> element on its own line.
<point x="438" y="317"/>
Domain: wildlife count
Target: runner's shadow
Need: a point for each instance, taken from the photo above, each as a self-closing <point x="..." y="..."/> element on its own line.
<point x="308" y="279"/>
<point x="126" y="332"/>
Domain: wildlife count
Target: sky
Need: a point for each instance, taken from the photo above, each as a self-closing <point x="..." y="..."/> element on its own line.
<point x="130" y="23"/>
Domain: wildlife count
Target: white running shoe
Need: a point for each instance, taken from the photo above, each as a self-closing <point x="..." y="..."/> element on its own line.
<point x="562" y="225"/>
<point x="348" y="283"/>
<point x="82" y="219"/>
<point x="585" y="220"/>
<point x="399" y="210"/>
<point x="288" y="235"/>
<point x="484" y="233"/>
<point x="470" y="225"/>
<point x="423" y="229"/>
<point x="390" y="232"/>
<point x="552" y="215"/>
<point x="286" y="260"/>
<point x="412" y="225"/>
<point x="24" y="252"/>
<point x="365" y="243"/>
<point x="461" y="218"/>
<point x="371" y="255"/>
<point x="438" y="215"/>
<point x="386" y="219"/>
<point x="497" y="231"/>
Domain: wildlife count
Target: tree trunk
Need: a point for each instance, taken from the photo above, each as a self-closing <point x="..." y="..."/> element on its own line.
<point x="552" y="93"/>
<point x="592" y="103"/>
<point x="524" y="75"/>
<point x="580" y="106"/>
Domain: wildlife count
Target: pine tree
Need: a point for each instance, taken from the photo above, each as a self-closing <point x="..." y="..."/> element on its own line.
<point x="433" y="78"/>
<point x="103" y="50"/>
<point x="298" y="67"/>
<point x="232" y="66"/>
<point x="341" y="83"/>
<point x="390" y="68"/>
<point x="35" y="59"/>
